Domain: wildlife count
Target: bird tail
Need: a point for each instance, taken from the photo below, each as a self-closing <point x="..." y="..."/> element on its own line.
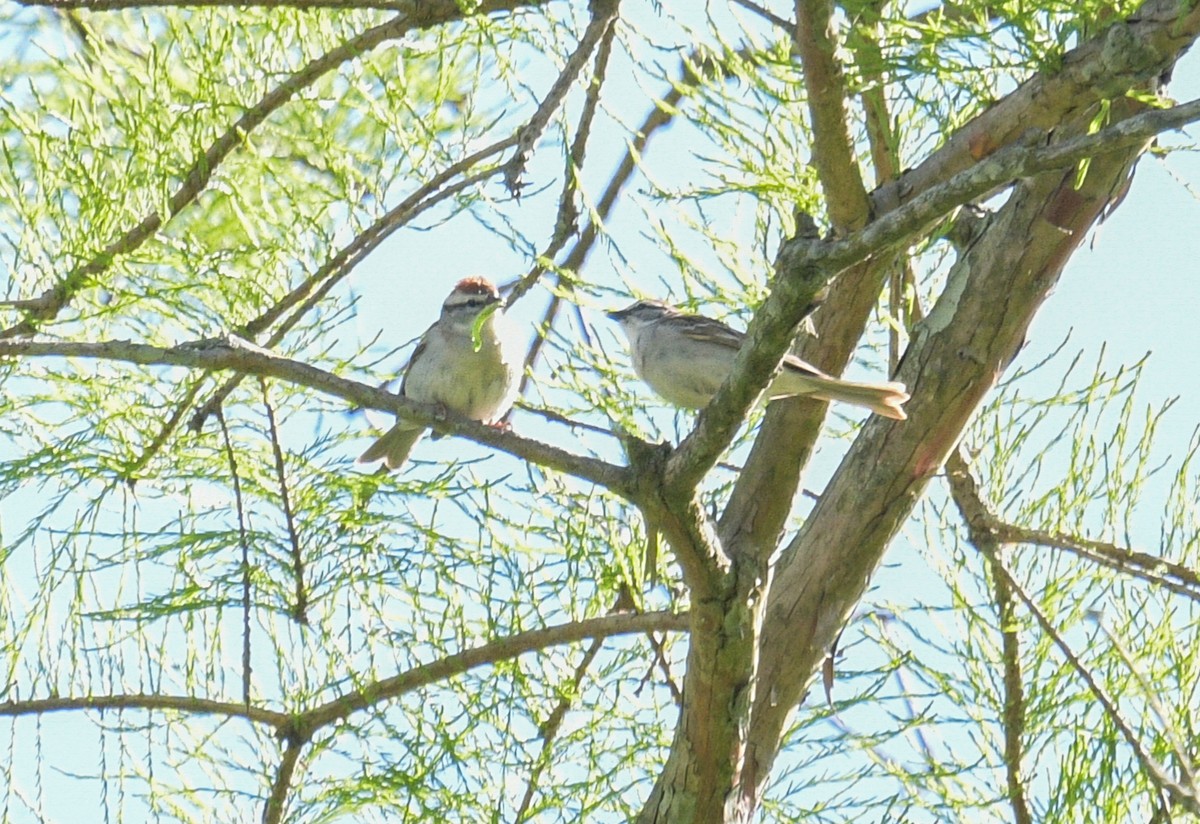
<point x="393" y="447"/>
<point x="883" y="399"/>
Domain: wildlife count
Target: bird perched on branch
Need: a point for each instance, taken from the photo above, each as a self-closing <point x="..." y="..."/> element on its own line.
<point x="467" y="362"/>
<point x="685" y="358"/>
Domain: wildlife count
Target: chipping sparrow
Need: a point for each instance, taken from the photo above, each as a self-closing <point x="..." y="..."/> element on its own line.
<point x="445" y="368"/>
<point x="685" y="358"/>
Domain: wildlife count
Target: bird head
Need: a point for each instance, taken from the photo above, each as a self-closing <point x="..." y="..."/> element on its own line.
<point x="641" y="314"/>
<point x="469" y="299"/>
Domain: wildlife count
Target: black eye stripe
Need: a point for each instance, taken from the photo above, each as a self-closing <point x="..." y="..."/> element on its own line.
<point x="472" y="303"/>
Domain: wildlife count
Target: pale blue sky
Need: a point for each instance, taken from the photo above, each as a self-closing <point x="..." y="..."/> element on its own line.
<point x="1133" y="289"/>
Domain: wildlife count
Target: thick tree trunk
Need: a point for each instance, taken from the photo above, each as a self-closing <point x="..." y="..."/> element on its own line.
<point x="756" y="647"/>
<point x="955" y="357"/>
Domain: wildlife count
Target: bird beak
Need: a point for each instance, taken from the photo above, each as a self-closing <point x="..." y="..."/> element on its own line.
<point x="617" y="314"/>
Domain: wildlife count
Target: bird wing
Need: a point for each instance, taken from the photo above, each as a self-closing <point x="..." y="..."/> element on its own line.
<point x="714" y="331"/>
<point x="416" y="353"/>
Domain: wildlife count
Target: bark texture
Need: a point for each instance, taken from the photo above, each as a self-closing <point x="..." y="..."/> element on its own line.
<point x="768" y="615"/>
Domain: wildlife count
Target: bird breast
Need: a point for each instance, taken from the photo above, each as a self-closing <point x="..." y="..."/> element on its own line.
<point x="686" y="376"/>
<point x="477" y="384"/>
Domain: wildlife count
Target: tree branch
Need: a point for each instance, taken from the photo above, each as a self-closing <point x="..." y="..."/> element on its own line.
<point x="501" y="649"/>
<point x="1158" y="35"/>
<point x="956" y="355"/>
<point x="197" y="176"/>
<point x="548" y="730"/>
<point x="167" y="429"/>
<point x="1181" y="749"/>
<point x="879" y="480"/>
<point x="277" y="800"/>
<point x="708" y="755"/>
<point x="965" y="493"/>
<point x="298" y="729"/>
<point x="832" y="149"/>
<point x="604" y="13"/>
<point x="175" y="703"/>
<point x="566" y="223"/>
<point x="754" y="517"/>
<point x="768" y="15"/>
<point x="1157" y="773"/>
<point x="299" y="610"/>
<point x="244" y="545"/>
<point x="988" y="534"/>
<point x="314" y="288"/>
<point x="1127" y="55"/>
<point x="661" y="115"/>
<point x="885" y="157"/>
<point x="1001" y="168"/>
<point x="1153" y="569"/>
<point x="807" y="266"/>
<point x="423" y="198"/>
<point x="235" y="354"/>
<point x="984" y="535"/>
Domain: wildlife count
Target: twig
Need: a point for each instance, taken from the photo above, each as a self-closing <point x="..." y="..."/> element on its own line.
<point x="234" y="354"/>
<point x="567" y="221"/>
<point x="661" y="115"/>
<point x="300" y="607"/>
<point x="1014" y="696"/>
<point x="245" y="545"/>
<point x="1150" y="692"/>
<point x="499" y="650"/>
<point x="603" y="13"/>
<point x="197" y="176"/>
<point x="188" y="704"/>
<point x="557" y="417"/>
<point x="421" y="200"/>
<point x="553" y="723"/>
<point x="1157" y="774"/>
<point x="970" y="504"/>
<point x="1151" y="568"/>
<point x="660" y="657"/>
<point x="168" y="428"/>
<point x="277" y="800"/>
<point x="768" y="15"/>
<point x="549" y="729"/>
<point x="1171" y="576"/>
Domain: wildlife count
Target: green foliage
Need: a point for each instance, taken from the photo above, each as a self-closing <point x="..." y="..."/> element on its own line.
<point x="141" y="557"/>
